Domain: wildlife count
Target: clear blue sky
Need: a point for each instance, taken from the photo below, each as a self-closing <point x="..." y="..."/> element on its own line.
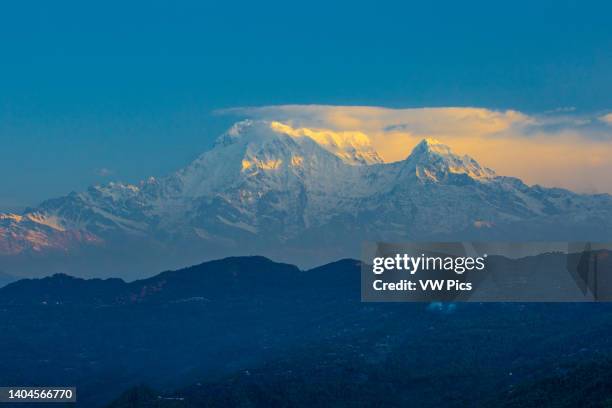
<point x="129" y="86"/>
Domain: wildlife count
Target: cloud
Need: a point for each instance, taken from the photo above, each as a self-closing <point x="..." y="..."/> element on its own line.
<point x="104" y="172"/>
<point x="557" y="148"/>
<point x="607" y="119"/>
<point x="375" y="119"/>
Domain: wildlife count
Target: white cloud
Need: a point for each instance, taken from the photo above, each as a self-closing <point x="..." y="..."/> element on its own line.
<point x="104" y="172"/>
<point x="452" y="120"/>
<point x="607" y="119"/>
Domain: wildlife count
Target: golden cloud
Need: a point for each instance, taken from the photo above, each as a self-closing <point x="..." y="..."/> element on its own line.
<point x="606" y="118"/>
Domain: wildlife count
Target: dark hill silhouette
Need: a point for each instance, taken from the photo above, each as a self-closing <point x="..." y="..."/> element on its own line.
<point x="255" y="332"/>
<point x="232" y="277"/>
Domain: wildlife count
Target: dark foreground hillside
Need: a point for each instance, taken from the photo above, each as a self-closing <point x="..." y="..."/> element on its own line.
<point x="251" y="332"/>
<point x="585" y="384"/>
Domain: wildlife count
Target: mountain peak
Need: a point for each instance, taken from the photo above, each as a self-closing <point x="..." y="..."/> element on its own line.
<point x="435" y="161"/>
<point x="430" y="141"/>
<point x="352" y="147"/>
<point x="267" y="186"/>
<point x="431" y="145"/>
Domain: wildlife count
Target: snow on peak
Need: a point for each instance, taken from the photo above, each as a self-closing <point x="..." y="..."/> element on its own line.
<point x="10" y="217"/>
<point x="353" y="147"/>
<point x="431" y="145"/>
<point x="234" y="133"/>
<point x="34" y="217"/>
<point x="435" y="161"/>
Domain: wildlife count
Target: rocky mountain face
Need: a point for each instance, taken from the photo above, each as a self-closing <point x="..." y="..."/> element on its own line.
<point x="295" y="195"/>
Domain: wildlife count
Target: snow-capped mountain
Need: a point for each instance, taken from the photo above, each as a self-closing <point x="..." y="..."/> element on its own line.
<point x="303" y="195"/>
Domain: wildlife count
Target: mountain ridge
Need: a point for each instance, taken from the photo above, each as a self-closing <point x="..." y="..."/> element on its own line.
<point x="302" y="194"/>
<point x="237" y="274"/>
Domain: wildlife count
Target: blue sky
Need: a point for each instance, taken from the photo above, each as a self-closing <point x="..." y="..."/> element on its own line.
<point x="130" y="88"/>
